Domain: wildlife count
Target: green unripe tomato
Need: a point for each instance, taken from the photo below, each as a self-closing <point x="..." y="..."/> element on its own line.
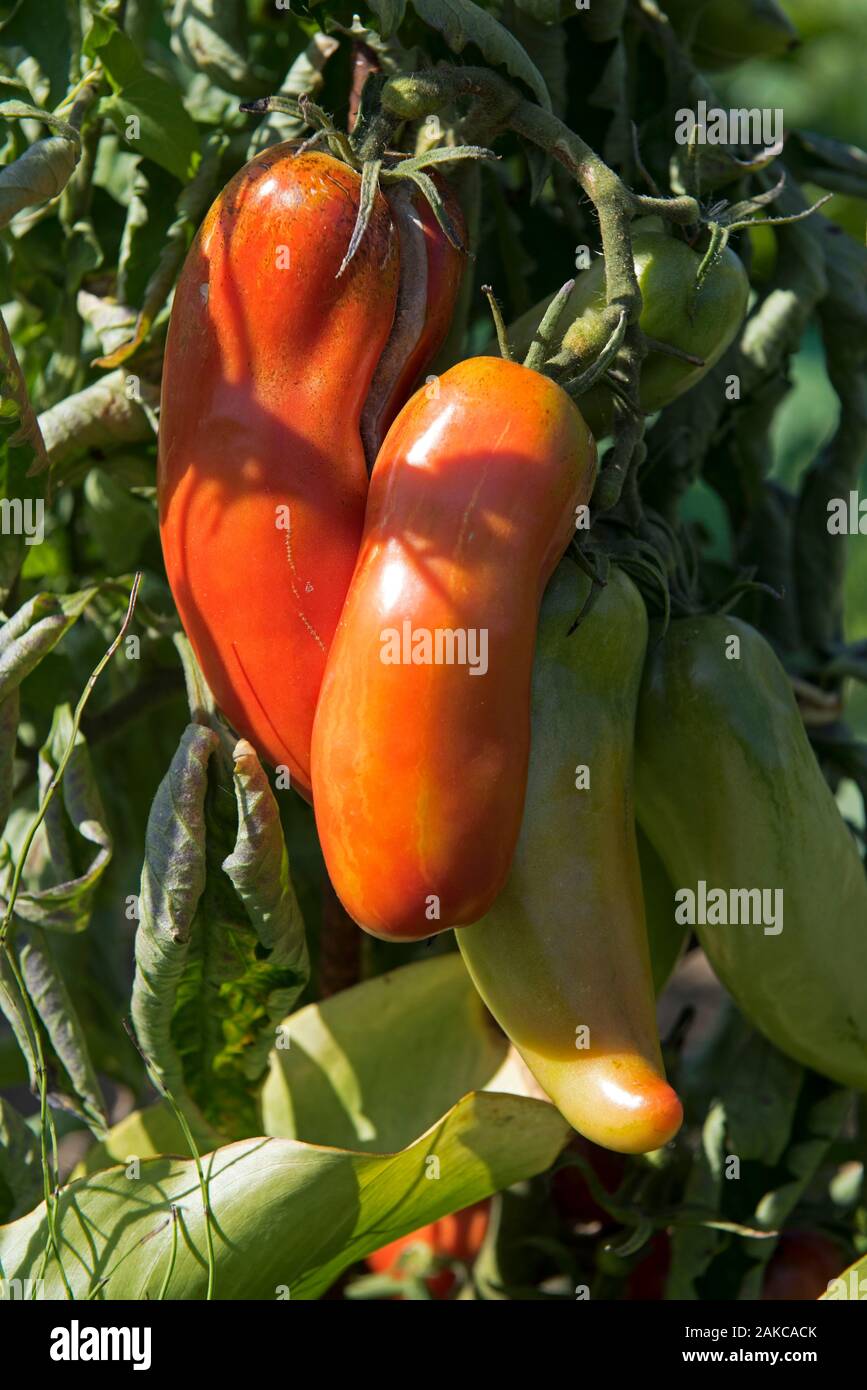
<point x="700" y="322"/>
<point x="729" y="793"/>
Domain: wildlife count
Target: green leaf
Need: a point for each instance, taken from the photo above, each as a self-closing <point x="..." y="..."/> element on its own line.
<point x="821" y="1117"/>
<point x="20" y="1164"/>
<point x="761" y="1094"/>
<point x="147" y="1133"/>
<point x="147" y="111"/>
<point x="191" y="203"/>
<point x="107" y="320"/>
<point x="209" y="36"/>
<point x="389" y="14"/>
<point x="34" y="630"/>
<point x="599" y="23"/>
<point x="546" y="11"/>
<point x="694" y="1246"/>
<point x="287" y="1217"/>
<point x="220" y="950"/>
<point x="173" y="880"/>
<point x="545" y="43"/>
<point x="72" y="847"/>
<point x="461" y="22"/>
<point x="53" y="1003"/>
<point x="119" y="523"/>
<point x="834" y="164"/>
<point x="36" y="37"/>
<point x="41" y="173"/>
<point x="346" y="1070"/>
<point x="148" y="219"/>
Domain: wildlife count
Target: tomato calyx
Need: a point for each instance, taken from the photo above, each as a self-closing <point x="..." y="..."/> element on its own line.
<point x="723" y="219"/>
<point x="366" y="151"/>
<point x="538" y="355"/>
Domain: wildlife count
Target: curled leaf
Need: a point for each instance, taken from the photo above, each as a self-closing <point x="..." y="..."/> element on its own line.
<point x="9" y="712"/>
<point x="258" y="868"/>
<point x="34" y="630"/>
<point x="462" y="22"/>
<point x="41" y="173"/>
<point x="111" y="412"/>
<point x="75" y="842"/>
<point x="53" y="1003"/>
<point x="173" y="879"/>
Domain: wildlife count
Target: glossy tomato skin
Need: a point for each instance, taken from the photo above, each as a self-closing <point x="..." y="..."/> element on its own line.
<point x="700" y="322"/>
<point x="419" y="767"/>
<point x="562" y="959"/>
<point x="262" y="478"/>
<point x="802" y="1266"/>
<point x="707" y="720"/>
<point x="454" y="1238"/>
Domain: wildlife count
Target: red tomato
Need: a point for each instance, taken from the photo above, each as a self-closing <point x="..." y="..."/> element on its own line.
<point x="453" y="1239"/>
<point x="802" y="1266"/>
<point x="646" y="1283"/>
<point x="270" y="362"/>
<point x="422" y="730"/>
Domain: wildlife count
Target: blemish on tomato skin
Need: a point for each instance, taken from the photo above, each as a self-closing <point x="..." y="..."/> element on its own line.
<point x="294" y="582"/>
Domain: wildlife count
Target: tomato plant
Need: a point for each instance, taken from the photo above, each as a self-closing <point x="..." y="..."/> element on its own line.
<point x="327" y="626"/>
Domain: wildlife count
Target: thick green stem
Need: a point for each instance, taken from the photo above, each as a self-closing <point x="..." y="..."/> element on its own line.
<point x="497" y="104"/>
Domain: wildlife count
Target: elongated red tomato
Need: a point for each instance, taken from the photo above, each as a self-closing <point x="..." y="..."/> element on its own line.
<point x="421" y="735"/>
<point x="262" y="475"/>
